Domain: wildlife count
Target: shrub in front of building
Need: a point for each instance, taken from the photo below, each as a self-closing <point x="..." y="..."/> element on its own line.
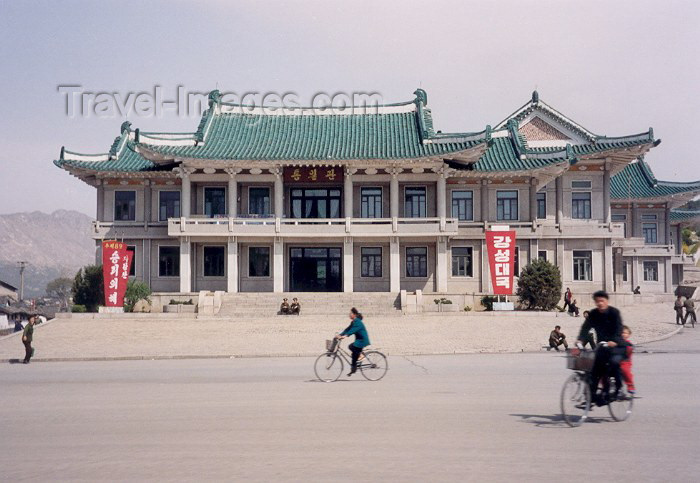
<point x="539" y="285"/>
<point x="88" y="287"/>
<point x="135" y="291"/>
<point x="78" y="309"/>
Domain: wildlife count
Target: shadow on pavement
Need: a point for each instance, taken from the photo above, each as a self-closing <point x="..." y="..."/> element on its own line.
<point x="550" y="421"/>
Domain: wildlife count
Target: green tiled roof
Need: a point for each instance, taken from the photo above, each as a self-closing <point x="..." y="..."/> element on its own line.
<point x="126" y="160"/>
<point x="684" y="215"/>
<point x="637" y="181"/>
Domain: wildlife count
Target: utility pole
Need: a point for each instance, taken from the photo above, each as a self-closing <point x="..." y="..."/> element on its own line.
<point x="22" y="266"/>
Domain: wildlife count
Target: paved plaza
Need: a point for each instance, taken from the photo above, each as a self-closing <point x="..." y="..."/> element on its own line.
<point x="488" y="417"/>
<point x="76" y="339"/>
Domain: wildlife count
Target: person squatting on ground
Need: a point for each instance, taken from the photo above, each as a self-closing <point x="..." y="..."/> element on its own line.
<point x="557" y="338"/>
<point x="27" y="337"/>
<point x="626" y="363"/>
<point x="357" y="328"/>
<point x="689" y="310"/>
<point x="612" y="348"/>
<point x="678" y="307"/>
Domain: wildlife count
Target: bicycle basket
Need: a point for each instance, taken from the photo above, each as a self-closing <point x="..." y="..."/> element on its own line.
<point x="331" y="345"/>
<point x="580" y="360"/>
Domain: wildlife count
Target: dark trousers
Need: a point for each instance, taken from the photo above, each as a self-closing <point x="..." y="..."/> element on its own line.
<point x="588" y="340"/>
<point x="607" y="364"/>
<point x="688" y="315"/>
<point x="356" y="351"/>
<point x="679" y="317"/>
<point x="27" y="350"/>
<point x="567" y="303"/>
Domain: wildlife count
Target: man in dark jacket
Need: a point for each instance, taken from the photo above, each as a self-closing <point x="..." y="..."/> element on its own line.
<point x="607" y="323"/>
<point x="27" y="337"/>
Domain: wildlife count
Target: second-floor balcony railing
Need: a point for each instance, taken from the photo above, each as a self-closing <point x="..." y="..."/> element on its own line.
<point x="311" y="227"/>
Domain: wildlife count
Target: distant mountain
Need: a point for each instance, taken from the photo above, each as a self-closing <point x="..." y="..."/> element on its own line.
<point x="54" y="245"/>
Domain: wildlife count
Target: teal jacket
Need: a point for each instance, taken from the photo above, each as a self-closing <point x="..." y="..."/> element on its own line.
<point x="358" y="328"/>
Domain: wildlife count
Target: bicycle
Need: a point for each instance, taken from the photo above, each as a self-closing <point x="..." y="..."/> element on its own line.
<point x="576" y="394"/>
<point x="329" y="365"/>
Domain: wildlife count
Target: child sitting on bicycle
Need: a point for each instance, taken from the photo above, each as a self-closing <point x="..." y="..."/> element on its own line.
<point x="626" y="363"/>
<point x="356" y="327"/>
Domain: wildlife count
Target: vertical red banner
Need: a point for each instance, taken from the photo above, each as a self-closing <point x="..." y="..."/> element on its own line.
<point x="116" y="264"/>
<point x="500" y="246"/>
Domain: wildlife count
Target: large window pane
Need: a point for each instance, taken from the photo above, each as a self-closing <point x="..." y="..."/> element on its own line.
<point x="649" y="232"/>
<point x="541" y="205"/>
<point x="215" y="201"/>
<point x="651" y="271"/>
<point x="259" y="201"/>
<point x="417" y="262"/>
<point x="214" y="261"/>
<point x="583" y="265"/>
<point x="169" y="261"/>
<point x="259" y="261"/>
<point x="169" y="205"/>
<point x="463" y="205"/>
<point x="371" y="261"/>
<point x="316" y="203"/>
<point x="507" y="205"/>
<point x="462" y="262"/>
<point x="415" y="203"/>
<point x="125" y="206"/>
<point x="581" y="205"/>
<point x="371" y="203"/>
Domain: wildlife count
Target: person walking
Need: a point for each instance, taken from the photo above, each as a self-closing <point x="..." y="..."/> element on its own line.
<point x="27" y="337"/>
<point x="678" y="307"/>
<point x="568" y="296"/>
<point x="689" y="311"/>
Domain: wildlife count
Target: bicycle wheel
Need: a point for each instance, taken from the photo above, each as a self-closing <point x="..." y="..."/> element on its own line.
<point x="374" y="365"/>
<point x="328" y="367"/>
<point x="575" y="400"/>
<point x="620" y="404"/>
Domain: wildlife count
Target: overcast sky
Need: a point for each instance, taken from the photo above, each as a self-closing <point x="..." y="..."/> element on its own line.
<point x="615" y="67"/>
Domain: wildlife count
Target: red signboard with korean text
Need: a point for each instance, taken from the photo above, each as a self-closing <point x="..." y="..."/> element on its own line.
<point x="116" y="264"/>
<point x="313" y="175"/>
<point x="500" y="246"/>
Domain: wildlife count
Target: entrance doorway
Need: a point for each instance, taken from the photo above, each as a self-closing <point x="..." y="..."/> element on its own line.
<point x="315" y="269"/>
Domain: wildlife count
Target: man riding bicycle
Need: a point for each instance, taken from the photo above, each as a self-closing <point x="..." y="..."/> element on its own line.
<point x="607" y="323"/>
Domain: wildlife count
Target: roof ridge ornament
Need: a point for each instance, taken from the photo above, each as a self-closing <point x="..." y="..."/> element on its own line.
<point x="214" y="97"/>
<point x="126" y="127"/>
<point x="535" y="97"/>
<point x="421" y="96"/>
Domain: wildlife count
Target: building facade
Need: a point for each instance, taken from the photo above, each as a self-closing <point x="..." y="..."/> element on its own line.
<point x="297" y="200"/>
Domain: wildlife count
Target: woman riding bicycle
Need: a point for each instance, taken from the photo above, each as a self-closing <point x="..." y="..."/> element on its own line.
<point x="356" y="327"/>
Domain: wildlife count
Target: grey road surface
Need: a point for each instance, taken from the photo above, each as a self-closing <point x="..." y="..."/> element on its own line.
<point x="438" y="418"/>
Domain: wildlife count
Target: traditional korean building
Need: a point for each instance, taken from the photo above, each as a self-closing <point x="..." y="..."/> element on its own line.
<point x="377" y="201"/>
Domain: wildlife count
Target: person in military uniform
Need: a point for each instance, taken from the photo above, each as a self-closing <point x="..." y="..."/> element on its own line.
<point x="27" y="337"/>
<point x="295" y="307"/>
<point x="557" y="338"/>
<point x="678" y="307"/>
<point x="689" y="310"/>
<point x="284" y="307"/>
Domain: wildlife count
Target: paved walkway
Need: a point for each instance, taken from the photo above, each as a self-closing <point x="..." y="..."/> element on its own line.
<point x="72" y="339"/>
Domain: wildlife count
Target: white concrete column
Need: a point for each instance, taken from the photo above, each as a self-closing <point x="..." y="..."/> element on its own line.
<point x="442" y="199"/>
<point x="608" y="275"/>
<point x="667" y="225"/>
<point x="347" y="192"/>
<point x="146" y="261"/>
<point x="484" y="200"/>
<point x="348" y="275"/>
<point x="635" y="225"/>
<point x="394" y="265"/>
<point x="279" y="194"/>
<point x="533" y="199"/>
<point x="147" y="199"/>
<point x="606" y="193"/>
<point x="394" y="194"/>
<point x="679" y="239"/>
<point x="441" y="264"/>
<point x="100" y="215"/>
<point x="278" y="265"/>
<point x="559" y="198"/>
<point x="617" y="268"/>
<point x="186" y="193"/>
<point x="232" y="191"/>
<point x="634" y="272"/>
<point x="534" y="247"/>
<point x="232" y="265"/>
<point x="668" y="277"/>
<point x="485" y="271"/>
<point x="560" y="259"/>
<point x="185" y="265"/>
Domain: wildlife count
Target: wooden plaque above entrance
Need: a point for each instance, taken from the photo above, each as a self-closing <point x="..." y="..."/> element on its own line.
<point x="313" y="175"/>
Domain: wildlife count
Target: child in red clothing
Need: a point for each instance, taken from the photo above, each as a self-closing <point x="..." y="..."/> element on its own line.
<point x="626" y="364"/>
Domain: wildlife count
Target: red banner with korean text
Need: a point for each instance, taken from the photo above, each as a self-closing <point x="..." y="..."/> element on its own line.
<point x="116" y="264"/>
<point x="500" y="246"/>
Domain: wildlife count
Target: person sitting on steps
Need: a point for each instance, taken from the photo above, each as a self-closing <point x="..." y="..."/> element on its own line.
<point x="284" y="307"/>
<point x="295" y="308"/>
<point x="573" y="308"/>
<point x="557" y="338"/>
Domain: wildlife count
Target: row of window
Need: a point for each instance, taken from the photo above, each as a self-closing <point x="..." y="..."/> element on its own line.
<point x="650" y="231"/>
<point x="326" y="203"/>
<point x="650" y="271"/>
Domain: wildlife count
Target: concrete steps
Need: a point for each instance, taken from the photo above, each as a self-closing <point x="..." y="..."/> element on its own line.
<point x="321" y="303"/>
